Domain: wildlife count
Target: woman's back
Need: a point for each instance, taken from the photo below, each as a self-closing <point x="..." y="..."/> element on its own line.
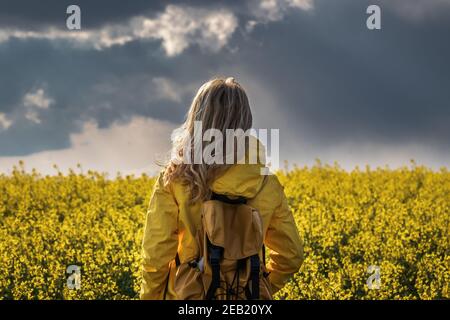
<point x="173" y="222"/>
<point x="174" y="213"/>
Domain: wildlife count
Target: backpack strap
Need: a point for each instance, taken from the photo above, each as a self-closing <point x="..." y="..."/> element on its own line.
<point x="215" y="253"/>
<point x="254" y="276"/>
<point x="264" y="254"/>
<point x="224" y="198"/>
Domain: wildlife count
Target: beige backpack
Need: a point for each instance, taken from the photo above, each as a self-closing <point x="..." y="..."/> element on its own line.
<point x="231" y="261"/>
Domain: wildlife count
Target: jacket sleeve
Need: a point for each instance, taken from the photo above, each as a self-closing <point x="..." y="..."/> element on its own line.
<point x="286" y="247"/>
<point x="160" y="242"/>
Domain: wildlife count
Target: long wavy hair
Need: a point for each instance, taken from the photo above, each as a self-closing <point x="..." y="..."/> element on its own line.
<point x="220" y="104"/>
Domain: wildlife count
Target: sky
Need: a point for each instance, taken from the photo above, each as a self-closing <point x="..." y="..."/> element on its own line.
<point x="109" y="95"/>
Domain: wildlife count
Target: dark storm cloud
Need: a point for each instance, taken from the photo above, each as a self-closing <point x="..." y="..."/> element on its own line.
<point x="36" y="14"/>
<point x="104" y="85"/>
<point x="334" y="80"/>
<point x="345" y="83"/>
<point x="25" y="14"/>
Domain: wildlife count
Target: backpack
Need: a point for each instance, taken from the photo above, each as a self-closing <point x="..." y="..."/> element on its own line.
<point x="231" y="260"/>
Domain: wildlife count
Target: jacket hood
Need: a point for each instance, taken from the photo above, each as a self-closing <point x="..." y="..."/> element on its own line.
<point x="243" y="180"/>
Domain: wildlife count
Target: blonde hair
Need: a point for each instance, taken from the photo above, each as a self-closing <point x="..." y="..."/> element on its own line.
<point x="219" y="104"/>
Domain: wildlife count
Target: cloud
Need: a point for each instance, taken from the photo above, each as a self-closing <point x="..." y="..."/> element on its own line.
<point x="165" y="88"/>
<point x="334" y="89"/>
<point x="116" y="97"/>
<point x="350" y="155"/>
<point x="275" y="10"/>
<point x="131" y="147"/>
<point x="30" y="107"/>
<point x="35" y="101"/>
<point x="417" y="10"/>
<point x="5" y="122"/>
<point x="265" y="11"/>
<point x="178" y="27"/>
<point x="317" y="74"/>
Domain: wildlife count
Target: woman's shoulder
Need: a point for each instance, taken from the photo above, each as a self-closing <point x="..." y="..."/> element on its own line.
<point x="273" y="181"/>
<point x="272" y="187"/>
<point x="169" y="186"/>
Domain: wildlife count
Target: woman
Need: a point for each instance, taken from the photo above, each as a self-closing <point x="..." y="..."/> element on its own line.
<point x="174" y="212"/>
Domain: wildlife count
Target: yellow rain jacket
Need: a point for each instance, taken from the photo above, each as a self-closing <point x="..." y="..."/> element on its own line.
<point x="172" y="222"/>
